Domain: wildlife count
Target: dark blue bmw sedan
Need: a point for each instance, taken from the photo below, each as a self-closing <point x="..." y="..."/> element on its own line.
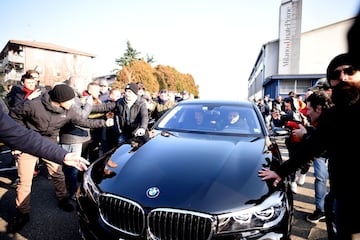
<point x="196" y="179"/>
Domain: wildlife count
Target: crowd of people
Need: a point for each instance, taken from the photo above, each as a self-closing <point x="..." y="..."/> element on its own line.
<point x="326" y="140"/>
<point x="288" y="112"/>
<point x="334" y="117"/>
<point x="303" y="118"/>
<point x="34" y="121"/>
<point x="320" y="127"/>
<point x="85" y="123"/>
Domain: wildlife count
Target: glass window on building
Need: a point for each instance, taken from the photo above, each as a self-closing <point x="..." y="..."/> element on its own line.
<point x="300" y="86"/>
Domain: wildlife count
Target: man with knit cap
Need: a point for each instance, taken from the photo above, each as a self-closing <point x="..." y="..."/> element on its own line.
<point x="133" y="87"/>
<point x="72" y="137"/>
<point x="45" y="115"/>
<point x="130" y="115"/>
<point x="335" y="133"/>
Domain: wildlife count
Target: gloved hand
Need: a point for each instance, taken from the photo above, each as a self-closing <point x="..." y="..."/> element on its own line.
<point x="140" y="132"/>
<point x="109" y="122"/>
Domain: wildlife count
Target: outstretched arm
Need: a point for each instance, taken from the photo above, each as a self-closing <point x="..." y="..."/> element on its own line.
<point x="21" y="138"/>
<point x="71" y="159"/>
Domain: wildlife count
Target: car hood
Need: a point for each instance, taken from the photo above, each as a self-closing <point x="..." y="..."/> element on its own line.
<point x="205" y="173"/>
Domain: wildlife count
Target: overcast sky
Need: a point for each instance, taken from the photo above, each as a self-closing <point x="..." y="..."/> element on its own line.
<point x="214" y="41"/>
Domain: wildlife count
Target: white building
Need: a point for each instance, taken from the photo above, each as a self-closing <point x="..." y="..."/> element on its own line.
<point x="313" y="50"/>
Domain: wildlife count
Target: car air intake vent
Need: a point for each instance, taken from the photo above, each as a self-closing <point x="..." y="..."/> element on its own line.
<point x="122" y="214"/>
<point x="171" y="224"/>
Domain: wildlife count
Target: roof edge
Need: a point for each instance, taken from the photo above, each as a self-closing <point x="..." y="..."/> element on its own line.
<point x="51" y="46"/>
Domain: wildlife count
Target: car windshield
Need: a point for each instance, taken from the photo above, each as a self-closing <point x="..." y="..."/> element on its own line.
<point x="205" y="118"/>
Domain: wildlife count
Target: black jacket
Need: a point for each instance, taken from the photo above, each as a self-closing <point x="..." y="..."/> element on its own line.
<point x="47" y="119"/>
<point x="18" y="137"/>
<point x="138" y="118"/>
<point x="15" y="96"/>
<point x="70" y="133"/>
<point x="337" y="133"/>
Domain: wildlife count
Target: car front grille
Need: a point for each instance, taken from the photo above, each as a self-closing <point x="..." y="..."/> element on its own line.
<point x="162" y="223"/>
<point x="182" y="225"/>
<point x="122" y="214"/>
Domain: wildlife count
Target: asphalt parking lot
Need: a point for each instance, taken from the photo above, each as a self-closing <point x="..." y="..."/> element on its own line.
<point x="47" y="221"/>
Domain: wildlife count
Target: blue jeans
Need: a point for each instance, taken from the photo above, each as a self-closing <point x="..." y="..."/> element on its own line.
<point x="321" y="175"/>
<point x="71" y="173"/>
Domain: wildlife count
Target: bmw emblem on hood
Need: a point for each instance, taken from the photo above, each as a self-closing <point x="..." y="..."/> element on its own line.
<point x="152" y="192"/>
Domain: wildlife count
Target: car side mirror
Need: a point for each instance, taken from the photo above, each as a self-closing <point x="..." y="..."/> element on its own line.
<point x="278" y="131"/>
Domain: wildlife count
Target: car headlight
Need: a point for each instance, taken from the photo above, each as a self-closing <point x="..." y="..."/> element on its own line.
<point x="265" y="215"/>
<point x="89" y="186"/>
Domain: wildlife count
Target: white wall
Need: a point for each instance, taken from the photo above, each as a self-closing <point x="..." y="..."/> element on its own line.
<point x="319" y="46"/>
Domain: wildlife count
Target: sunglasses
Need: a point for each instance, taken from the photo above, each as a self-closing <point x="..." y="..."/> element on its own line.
<point x="335" y="75"/>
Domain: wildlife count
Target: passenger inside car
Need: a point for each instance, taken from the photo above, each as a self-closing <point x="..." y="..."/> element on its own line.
<point x="199" y="118"/>
<point x="236" y="122"/>
<point x="195" y="119"/>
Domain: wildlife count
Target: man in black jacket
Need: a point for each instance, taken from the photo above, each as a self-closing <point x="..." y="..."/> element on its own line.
<point x="130" y="115"/>
<point x="46" y="116"/>
<point x="72" y="137"/>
